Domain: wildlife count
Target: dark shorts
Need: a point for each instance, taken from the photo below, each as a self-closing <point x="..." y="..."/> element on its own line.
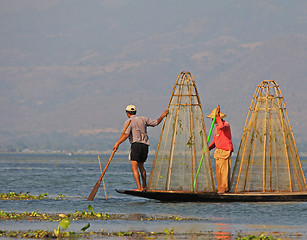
<point x="139" y="152"/>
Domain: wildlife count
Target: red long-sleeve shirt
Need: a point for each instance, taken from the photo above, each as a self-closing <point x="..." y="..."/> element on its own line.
<point x="222" y="135"/>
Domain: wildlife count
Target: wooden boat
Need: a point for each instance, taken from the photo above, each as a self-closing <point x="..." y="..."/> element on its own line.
<point x="187" y="196"/>
<point x="267" y="168"/>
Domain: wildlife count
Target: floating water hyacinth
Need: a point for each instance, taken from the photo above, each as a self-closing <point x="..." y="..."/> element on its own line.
<point x="64" y="224"/>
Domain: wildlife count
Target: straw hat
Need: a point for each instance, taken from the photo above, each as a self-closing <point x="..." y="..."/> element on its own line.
<point x="212" y="114"/>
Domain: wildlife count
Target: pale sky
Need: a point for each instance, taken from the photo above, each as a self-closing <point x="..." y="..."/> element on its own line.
<point x="73" y="65"/>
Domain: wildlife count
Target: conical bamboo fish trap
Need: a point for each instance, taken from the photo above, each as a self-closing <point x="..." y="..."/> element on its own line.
<point x="267" y="159"/>
<point x="182" y="143"/>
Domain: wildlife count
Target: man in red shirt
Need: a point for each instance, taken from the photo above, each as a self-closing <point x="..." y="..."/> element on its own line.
<point x="223" y="143"/>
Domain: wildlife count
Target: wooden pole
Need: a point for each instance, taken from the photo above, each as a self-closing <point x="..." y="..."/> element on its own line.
<point x="97" y="185"/>
<point x="104" y="186"/>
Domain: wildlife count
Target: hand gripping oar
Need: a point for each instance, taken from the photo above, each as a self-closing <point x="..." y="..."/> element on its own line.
<point x="202" y="156"/>
<point x="97" y="185"/>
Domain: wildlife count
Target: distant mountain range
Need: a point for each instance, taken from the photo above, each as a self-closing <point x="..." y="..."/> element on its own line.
<point x="68" y="70"/>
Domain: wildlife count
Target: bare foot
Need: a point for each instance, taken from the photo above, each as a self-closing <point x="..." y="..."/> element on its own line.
<point x="137" y="189"/>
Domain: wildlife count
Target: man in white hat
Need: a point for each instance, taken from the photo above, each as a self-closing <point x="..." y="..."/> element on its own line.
<point x="138" y="137"/>
<point x="223" y="143"/>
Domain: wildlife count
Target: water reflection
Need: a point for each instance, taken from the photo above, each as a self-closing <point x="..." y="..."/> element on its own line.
<point x="222" y="231"/>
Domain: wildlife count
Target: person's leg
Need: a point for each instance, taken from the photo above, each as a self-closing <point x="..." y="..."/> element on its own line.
<point x="136" y="175"/>
<point x="219" y="174"/>
<point x="225" y="174"/>
<point x="138" y="156"/>
<point x="143" y="175"/>
<point x="228" y="173"/>
<point x="223" y="159"/>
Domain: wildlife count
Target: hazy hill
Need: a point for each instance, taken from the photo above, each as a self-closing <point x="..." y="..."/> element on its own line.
<point x="68" y="69"/>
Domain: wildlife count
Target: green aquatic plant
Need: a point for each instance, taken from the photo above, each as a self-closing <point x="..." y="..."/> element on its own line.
<point x="260" y="237"/>
<point x="168" y="231"/>
<point x="85" y="227"/>
<point x="124" y="233"/>
<point x="90" y="213"/>
<point x="61" y="196"/>
<point x="27" y="196"/>
<point x="64" y="224"/>
<point x="26" y="216"/>
<point x="90" y="208"/>
<point x="36" y="234"/>
<point x="22" y="196"/>
<point x="84" y="215"/>
<point x="43" y="234"/>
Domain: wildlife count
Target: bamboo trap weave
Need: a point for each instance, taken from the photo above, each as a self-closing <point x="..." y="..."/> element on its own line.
<point x="267" y="159"/>
<point x="182" y="142"/>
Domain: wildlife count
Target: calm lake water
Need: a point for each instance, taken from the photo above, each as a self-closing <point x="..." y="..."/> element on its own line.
<point x="75" y="176"/>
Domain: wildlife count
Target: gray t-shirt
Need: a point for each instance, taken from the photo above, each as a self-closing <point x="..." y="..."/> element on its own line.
<point x="137" y="129"/>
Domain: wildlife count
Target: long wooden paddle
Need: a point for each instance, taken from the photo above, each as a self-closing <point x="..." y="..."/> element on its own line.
<point x="104" y="186"/>
<point x="97" y="185"/>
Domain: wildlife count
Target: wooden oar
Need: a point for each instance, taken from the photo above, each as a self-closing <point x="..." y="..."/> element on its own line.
<point x="104" y="186"/>
<point x="97" y="185"/>
<point x="202" y="157"/>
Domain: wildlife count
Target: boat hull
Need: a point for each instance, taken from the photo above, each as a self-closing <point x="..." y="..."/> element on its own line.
<point x="182" y="196"/>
